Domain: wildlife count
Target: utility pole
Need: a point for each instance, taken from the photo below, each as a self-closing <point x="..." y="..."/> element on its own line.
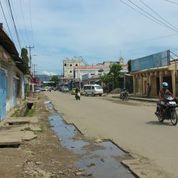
<point x="30" y="56"/>
<point x="34" y="69"/>
<point x="32" y="89"/>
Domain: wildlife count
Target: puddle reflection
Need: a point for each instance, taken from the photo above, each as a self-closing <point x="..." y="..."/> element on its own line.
<point x="97" y="159"/>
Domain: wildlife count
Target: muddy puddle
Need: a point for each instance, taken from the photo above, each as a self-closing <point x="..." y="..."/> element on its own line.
<point x="98" y="158"/>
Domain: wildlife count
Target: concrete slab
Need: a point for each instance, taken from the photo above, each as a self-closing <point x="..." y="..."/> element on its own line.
<point x="28" y="135"/>
<point x="16" y="135"/>
<point x="22" y="120"/>
<point x="6" y="141"/>
<point x="17" y="122"/>
<point x="8" y="138"/>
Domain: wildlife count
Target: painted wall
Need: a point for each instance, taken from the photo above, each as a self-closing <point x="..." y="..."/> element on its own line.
<point x="3" y="93"/>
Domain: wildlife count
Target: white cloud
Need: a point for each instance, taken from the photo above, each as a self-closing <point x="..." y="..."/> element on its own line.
<point x="96" y="30"/>
<point x="49" y="73"/>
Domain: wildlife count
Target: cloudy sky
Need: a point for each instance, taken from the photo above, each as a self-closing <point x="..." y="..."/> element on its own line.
<point x="97" y="30"/>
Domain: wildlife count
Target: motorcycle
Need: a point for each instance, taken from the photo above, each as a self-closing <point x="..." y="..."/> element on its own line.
<point x="77" y="96"/>
<point x="168" y="111"/>
<point x="124" y="95"/>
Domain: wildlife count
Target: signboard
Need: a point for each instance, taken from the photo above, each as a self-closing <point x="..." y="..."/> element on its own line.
<point x="151" y="61"/>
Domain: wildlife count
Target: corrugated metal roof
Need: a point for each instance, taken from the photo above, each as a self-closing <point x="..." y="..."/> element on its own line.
<point x="9" y="46"/>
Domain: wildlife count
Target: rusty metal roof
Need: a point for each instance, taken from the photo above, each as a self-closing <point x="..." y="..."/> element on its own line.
<point x="9" y="46"/>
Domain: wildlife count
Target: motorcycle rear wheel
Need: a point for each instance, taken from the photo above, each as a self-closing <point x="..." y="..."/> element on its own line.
<point x="160" y="119"/>
<point x="174" y="118"/>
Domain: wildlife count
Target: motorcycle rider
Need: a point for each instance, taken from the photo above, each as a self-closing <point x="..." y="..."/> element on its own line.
<point x="163" y="91"/>
<point x="77" y="93"/>
<point x="124" y="93"/>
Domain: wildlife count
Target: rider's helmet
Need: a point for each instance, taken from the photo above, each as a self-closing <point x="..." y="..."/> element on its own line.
<point x="164" y="85"/>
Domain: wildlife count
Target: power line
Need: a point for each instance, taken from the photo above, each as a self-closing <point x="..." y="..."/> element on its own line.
<point x="25" y="22"/>
<point x="140" y="12"/>
<point x="16" y="32"/>
<point x="146" y="5"/>
<point x="173" y="2"/>
<point x="5" y="19"/>
<point x="22" y="37"/>
<point x="31" y="21"/>
<point x="146" y="14"/>
<point x="150" y="15"/>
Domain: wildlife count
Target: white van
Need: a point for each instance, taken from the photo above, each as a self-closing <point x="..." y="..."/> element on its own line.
<point x="92" y="89"/>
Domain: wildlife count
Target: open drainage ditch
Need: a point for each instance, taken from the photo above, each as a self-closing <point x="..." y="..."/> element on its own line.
<point x="98" y="158"/>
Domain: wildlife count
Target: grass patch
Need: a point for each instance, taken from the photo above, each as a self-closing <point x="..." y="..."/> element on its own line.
<point x="24" y="111"/>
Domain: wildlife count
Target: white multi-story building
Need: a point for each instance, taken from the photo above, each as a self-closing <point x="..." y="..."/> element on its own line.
<point x="89" y="70"/>
<point x="93" y="72"/>
<point x="70" y="64"/>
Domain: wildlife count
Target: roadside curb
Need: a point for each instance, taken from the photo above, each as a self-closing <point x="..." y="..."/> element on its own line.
<point x="140" y="99"/>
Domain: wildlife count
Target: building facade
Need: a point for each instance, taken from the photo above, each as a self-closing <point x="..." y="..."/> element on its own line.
<point x="70" y="64"/>
<point x="92" y="73"/>
<point x="154" y="76"/>
<point x="11" y="76"/>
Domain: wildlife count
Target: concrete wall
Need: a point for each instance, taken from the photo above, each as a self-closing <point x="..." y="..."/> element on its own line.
<point x="13" y="73"/>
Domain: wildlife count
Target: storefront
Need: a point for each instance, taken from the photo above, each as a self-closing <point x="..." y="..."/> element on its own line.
<point x="150" y="71"/>
<point x="154" y="77"/>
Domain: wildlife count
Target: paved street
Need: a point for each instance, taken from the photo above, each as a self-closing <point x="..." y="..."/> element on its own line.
<point x="132" y="126"/>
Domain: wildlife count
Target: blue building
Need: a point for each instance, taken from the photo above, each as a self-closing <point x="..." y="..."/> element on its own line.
<point x="12" y="76"/>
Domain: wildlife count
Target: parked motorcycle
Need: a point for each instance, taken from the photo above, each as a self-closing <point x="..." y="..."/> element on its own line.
<point x="124" y="94"/>
<point x="168" y="111"/>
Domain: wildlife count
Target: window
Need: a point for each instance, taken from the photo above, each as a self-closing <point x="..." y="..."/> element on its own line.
<point x="76" y="64"/>
<point x="70" y="71"/>
<point x="65" y="64"/>
<point x="70" y="64"/>
<point x="98" y="87"/>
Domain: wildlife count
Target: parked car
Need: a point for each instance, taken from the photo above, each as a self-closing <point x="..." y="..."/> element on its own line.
<point x="37" y="90"/>
<point x="92" y="89"/>
<point x="64" y="89"/>
<point x="43" y="89"/>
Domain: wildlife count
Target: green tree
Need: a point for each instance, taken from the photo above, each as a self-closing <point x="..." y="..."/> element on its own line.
<point x="25" y="59"/>
<point x="111" y="80"/>
<point x="24" y="55"/>
<point x="106" y="79"/>
<point x="55" y="79"/>
<point x="129" y="65"/>
<point x="115" y="73"/>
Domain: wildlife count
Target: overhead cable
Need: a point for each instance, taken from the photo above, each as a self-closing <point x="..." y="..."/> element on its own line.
<point x="31" y="21"/>
<point x="140" y="12"/>
<point x="146" y="14"/>
<point x="5" y="19"/>
<point x="24" y="22"/>
<point x="15" y="27"/>
<point x="14" y="10"/>
<point x="163" y="19"/>
<point x="173" y="2"/>
<point x="144" y="11"/>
